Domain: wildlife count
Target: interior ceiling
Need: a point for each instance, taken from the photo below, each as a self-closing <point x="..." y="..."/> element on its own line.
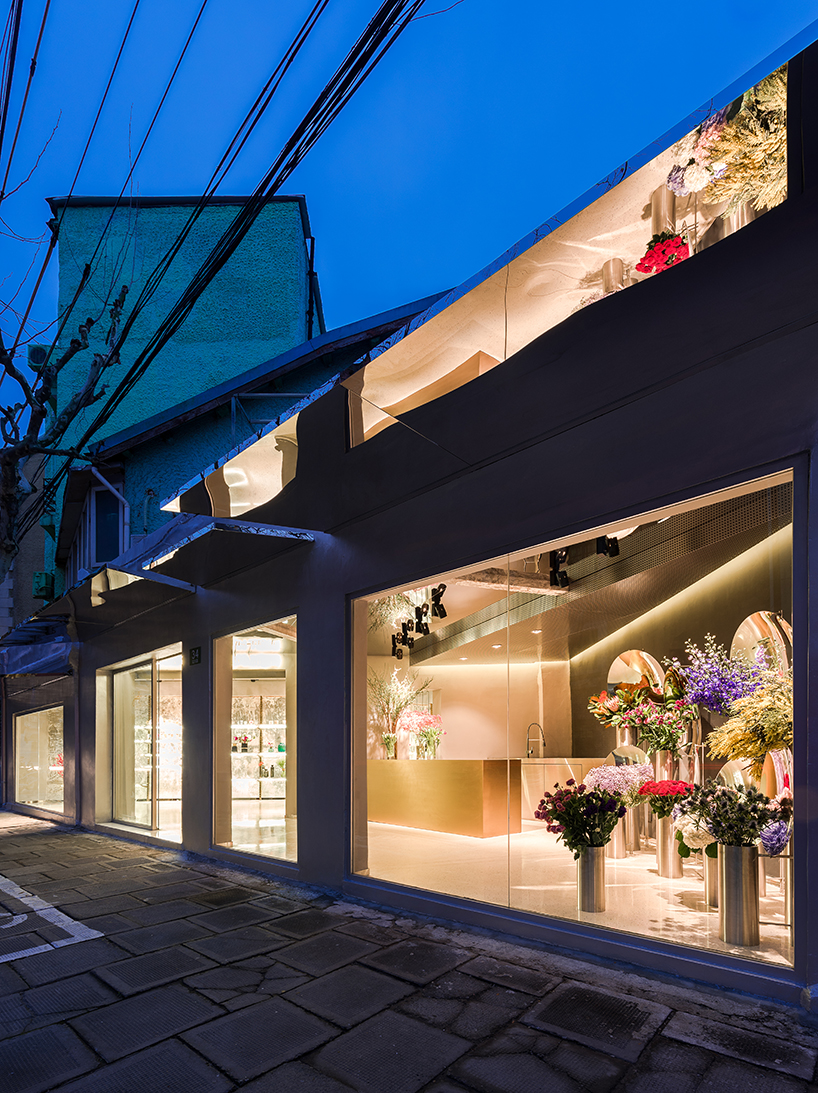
<point x="656" y="562"/>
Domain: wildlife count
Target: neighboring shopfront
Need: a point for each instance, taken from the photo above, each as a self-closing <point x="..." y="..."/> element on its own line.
<point x="556" y="519"/>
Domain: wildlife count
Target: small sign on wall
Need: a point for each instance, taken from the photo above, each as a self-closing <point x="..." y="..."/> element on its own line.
<point x="196" y="655"/>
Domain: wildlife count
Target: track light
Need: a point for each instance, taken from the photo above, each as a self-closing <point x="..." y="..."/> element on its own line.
<point x="438" y="610"/>
<point x="607" y="546"/>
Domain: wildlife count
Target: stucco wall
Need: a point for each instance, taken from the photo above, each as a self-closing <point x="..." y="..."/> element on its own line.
<point x="255" y="308"/>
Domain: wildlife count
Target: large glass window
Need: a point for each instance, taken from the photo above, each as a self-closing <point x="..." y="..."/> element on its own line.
<point x="148" y="746"/>
<point x="482" y="690"/>
<point x="255" y="740"/>
<point x="39" y="759"/>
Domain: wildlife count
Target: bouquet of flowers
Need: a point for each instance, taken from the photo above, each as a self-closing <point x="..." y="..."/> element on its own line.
<point x="737" y="816"/>
<point x="426" y="727"/>
<point x="660" y="728"/>
<point x="761" y="722"/>
<point x="609" y="708"/>
<point x="663" y="796"/>
<point x="389" y="741"/>
<point x="664" y="250"/>
<point x="581" y="817"/>
<point x="699" y="166"/>
<point x="691" y="818"/>
<point x="714" y="680"/>
<point x="625" y="780"/>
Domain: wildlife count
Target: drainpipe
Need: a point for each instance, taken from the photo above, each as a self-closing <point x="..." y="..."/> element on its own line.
<point x="126" y="508"/>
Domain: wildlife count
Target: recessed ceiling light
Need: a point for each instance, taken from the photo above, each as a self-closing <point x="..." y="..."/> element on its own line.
<point x="536" y="631"/>
<point x="497" y="647"/>
<point x="464" y="658"/>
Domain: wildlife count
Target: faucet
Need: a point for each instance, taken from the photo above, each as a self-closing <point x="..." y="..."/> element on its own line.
<point x="529" y="751"/>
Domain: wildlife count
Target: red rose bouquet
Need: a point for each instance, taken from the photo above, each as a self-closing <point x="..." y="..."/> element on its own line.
<point x="664" y="796"/>
<point x="664" y="250"/>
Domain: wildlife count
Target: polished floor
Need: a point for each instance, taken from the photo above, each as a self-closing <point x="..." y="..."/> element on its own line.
<point x="260" y="827"/>
<point x="533" y="872"/>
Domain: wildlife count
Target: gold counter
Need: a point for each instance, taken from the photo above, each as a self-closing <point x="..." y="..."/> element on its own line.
<point x="478" y="797"/>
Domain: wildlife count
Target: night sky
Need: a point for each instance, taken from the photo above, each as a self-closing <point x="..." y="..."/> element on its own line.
<point x="479" y="124"/>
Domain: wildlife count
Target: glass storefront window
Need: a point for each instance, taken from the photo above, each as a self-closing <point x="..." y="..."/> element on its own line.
<point x="39" y="759"/>
<point x="488" y="687"/>
<point x="255" y="740"/>
<point x="148" y="746"/>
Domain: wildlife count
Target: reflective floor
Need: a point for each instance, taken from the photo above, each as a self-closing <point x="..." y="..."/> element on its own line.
<point x="260" y="827"/>
<point x="533" y="872"/>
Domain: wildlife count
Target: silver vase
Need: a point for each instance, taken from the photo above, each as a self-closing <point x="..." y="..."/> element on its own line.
<point x="665" y="766"/>
<point x="591" y="879"/>
<point x="633" y="828"/>
<point x="668" y="859"/>
<point x="617" y="846"/>
<point x="710" y="868"/>
<point x="738" y="895"/>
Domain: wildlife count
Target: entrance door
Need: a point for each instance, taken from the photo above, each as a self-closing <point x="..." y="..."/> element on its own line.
<point x="147" y="753"/>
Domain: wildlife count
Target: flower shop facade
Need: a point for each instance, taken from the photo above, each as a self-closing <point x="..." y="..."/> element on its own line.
<point x="559" y="532"/>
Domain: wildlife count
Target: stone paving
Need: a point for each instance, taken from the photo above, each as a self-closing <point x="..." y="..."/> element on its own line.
<point x="165" y="974"/>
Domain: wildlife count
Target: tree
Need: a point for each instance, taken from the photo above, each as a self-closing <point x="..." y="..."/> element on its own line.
<point x="32" y="427"/>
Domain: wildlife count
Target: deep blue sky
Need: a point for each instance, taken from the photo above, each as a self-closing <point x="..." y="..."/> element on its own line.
<point x="479" y="124"/>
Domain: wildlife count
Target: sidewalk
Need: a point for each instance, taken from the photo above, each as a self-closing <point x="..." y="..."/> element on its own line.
<point x="125" y="969"/>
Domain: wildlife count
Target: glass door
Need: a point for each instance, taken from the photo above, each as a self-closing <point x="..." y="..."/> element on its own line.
<point x="147" y="752"/>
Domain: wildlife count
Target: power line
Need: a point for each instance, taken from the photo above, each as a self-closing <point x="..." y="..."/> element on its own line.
<point x="381" y="33"/>
<point x="32" y="69"/>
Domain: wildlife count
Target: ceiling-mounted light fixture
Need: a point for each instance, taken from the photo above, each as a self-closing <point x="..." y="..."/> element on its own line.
<point x="608" y="546"/>
<point x="438" y="610"/>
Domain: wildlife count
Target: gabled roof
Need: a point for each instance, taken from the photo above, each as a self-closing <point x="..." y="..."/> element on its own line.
<point x="359" y="336"/>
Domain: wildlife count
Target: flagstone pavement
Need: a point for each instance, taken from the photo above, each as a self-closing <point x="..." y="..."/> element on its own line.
<point x="132" y="969"/>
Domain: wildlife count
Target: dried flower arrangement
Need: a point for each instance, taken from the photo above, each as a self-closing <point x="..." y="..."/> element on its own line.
<point x="752" y="146"/>
<point x="390" y="695"/>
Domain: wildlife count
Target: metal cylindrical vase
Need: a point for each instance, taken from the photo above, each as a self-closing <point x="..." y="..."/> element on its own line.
<point x="668" y="860"/>
<point x="633" y="828"/>
<point x="738" y="895"/>
<point x="591" y="879"/>
<point x="616" y="847"/>
<point x="665" y="766"/>
<point x="711" y="880"/>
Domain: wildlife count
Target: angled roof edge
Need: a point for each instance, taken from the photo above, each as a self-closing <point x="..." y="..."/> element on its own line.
<point x="158" y="202"/>
<point x="774" y="60"/>
<point x="277" y="366"/>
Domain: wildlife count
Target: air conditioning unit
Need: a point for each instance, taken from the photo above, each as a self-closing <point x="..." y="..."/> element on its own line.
<point x="36" y="355"/>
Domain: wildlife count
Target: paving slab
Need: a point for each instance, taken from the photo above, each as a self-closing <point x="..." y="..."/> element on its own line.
<point x="598" y="1019"/>
<point x="509" y="975"/>
<point x="79" y="992"/>
<point x="109" y="924"/>
<point x="139" y="1022"/>
<point x="110" y="905"/>
<point x="232" y="918"/>
<point x="71" y="960"/>
<point x="280" y="904"/>
<point x="224" y="897"/>
<point x="141" y="973"/>
<point x="752" y="1047"/>
<point x="163" y="911"/>
<point x="296" y="1078"/>
<point x="729" y="1076"/>
<point x="168" y="1068"/>
<point x="39" y="1060"/>
<point x="325" y="952"/>
<point x="513" y="1074"/>
<point x="179" y="890"/>
<point x="306" y="923"/>
<point x="350" y="995"/>
<point x="256" y="1039"/>
<point x="419" y="961"/>
<point x="390" y="1052"/>
<point x="668" y="1066"/>
<point x="163" y="935"/>
<point x="371" y="931"/>
<point x="236" y="944"/>
<point x="597" y="1073"/>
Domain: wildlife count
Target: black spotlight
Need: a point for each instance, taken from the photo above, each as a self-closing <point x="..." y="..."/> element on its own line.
<point x="421" y="616"/>
<point x="438" y="610"/>
<point x="607" y="546"/>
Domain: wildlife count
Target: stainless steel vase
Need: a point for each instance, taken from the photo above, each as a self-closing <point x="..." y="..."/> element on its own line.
<point x="668" y="859"/>
<point x="591" y="879"/>
<point x="617" y="847"/>
<point x="738" y="895"/>
<point x="665" y="766"/>
<point x="711" y="880"/>
<point x="633" y="827"/>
